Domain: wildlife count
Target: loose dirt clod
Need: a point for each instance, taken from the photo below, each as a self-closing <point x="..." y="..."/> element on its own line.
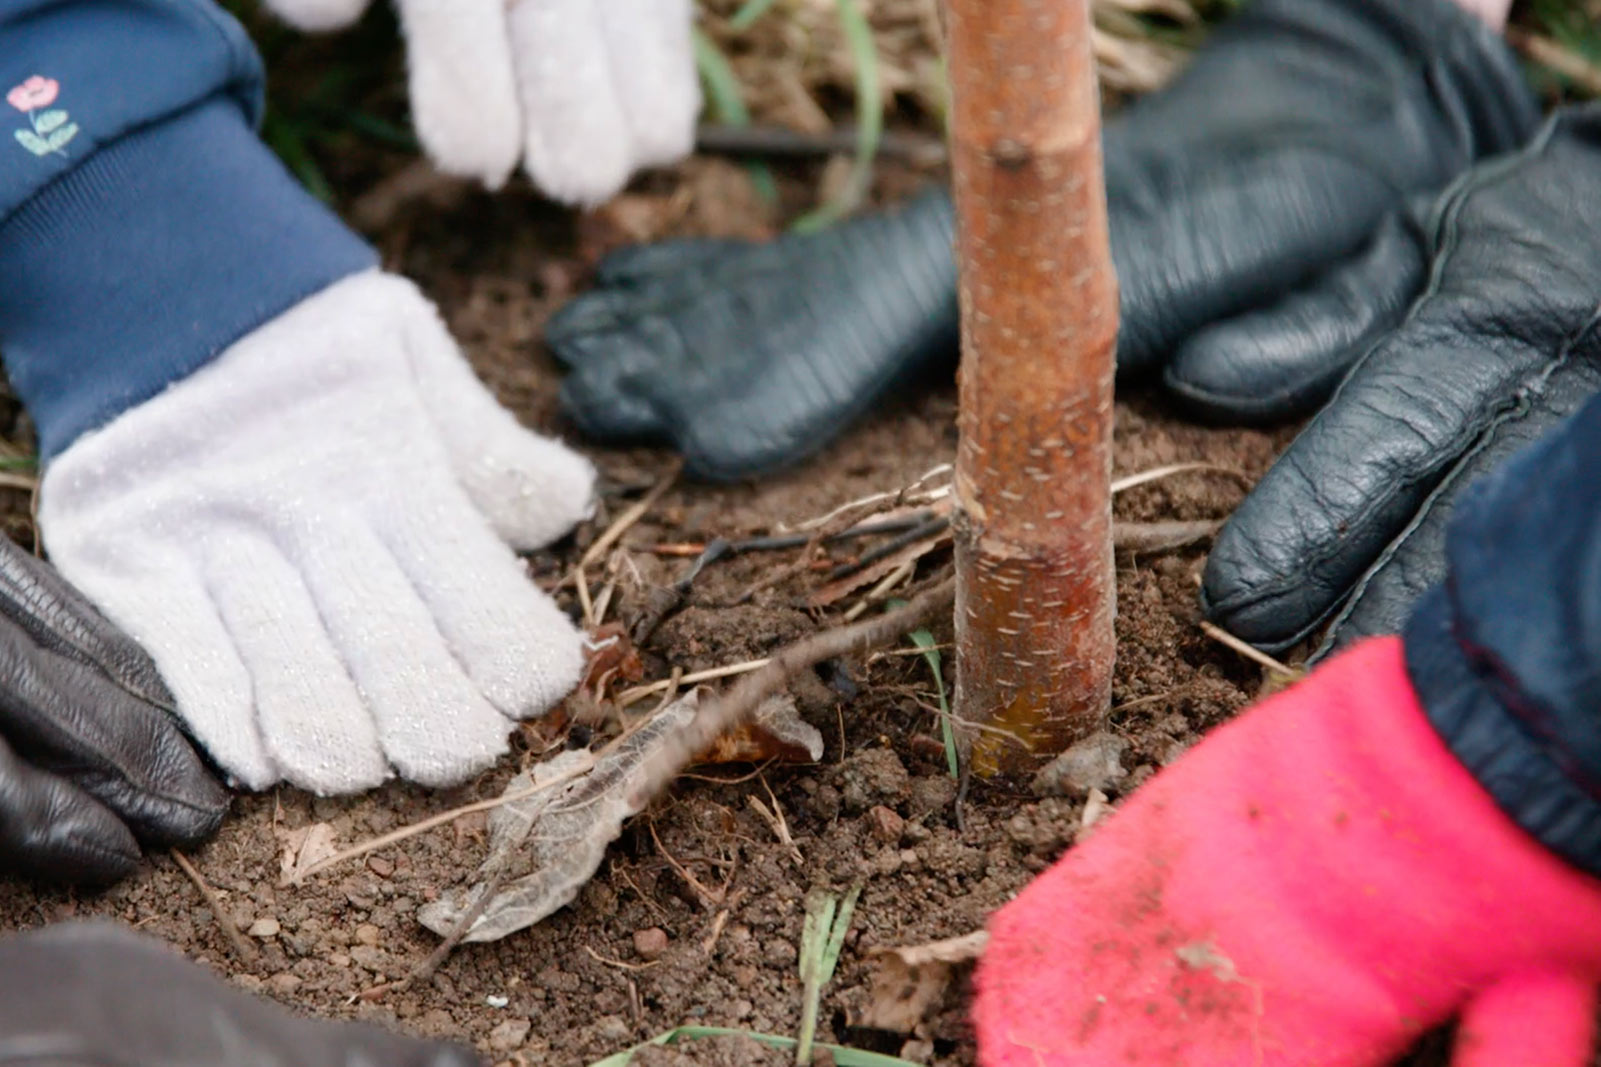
<point x="650" y="943"/>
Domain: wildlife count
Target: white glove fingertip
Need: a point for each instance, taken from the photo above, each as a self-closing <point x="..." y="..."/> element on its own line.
<point x="434" y="724"/>
<point x="652" y="54"/>
<point x="171" y="616"/>
<point x="485" y="147"/>
<point x="318" y="16"/>
<point x="521" y="651"/>
<point x="312" y="720"/>
<point x="531" y="488"/>
<point x="578" y="146"/>
<point x="464" y="103"/>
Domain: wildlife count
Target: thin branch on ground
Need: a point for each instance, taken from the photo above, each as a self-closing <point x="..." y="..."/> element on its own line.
<point x="1249" y="651"/>
<point x="640" y="692"/>
<point x="243" y="948"/>
<point x="717" y="715"/>
<point x="423" y="825"/>
<point x="622" y="524"/>
<point x="1157" y="473"/>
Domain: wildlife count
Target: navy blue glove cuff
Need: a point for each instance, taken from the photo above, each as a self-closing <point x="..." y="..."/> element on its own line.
<point x="149" y="258"/>
<point x="1492" y="728"/>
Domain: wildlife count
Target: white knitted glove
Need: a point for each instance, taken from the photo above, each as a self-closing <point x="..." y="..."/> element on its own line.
<point x="303" y="534"/>
<point x="584" y="92"/>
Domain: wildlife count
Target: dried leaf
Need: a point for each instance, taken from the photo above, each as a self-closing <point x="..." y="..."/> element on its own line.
<point x="612" y="657"/>
<point x="776" y="731"/>
<point x="910" y="981"/>
<point x="304" y="848"/>
<point x="558" y="837"/>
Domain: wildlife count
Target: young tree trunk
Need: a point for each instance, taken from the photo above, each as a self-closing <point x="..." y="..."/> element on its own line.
<point x="1035" y="595"/>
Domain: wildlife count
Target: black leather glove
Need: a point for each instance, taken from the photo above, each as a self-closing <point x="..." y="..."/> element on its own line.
<point x="94" y="994"/>
<point x="91" y="758"/>
<point x="1244" y="200"/>
<point x="1501" y="343"/>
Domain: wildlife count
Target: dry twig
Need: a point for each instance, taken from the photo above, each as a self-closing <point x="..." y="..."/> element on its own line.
<point x="243" y="948"/>
<point x="720" y="714"/>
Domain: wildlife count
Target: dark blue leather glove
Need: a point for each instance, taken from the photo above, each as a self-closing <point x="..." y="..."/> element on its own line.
<point x="1500" y="344"/>
<point x="1247" y="206"/>
<point x="94" y="994"/>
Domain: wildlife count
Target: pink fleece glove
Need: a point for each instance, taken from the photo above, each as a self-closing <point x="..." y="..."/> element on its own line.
<point x="1318" y="882"/>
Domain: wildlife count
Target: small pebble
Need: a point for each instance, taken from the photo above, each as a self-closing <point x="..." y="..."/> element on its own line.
<point x="381" y="867"/>
<point x="886" y="823"/>
<point x="264" y="928"/>
<point x="367" y="934"/>
<point x="283" y="983"/>
<point x="612" y="1030"/>
<point x="495" y="1001"/>
<point x="650" y="942"/>
<point x="508" y="1036"/>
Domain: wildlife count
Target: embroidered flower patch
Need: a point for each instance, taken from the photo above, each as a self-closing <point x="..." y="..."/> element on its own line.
<point x="50" y="128"/>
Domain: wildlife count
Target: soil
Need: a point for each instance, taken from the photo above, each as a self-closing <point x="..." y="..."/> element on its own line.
<point x="574" y="988"/>
<point x="700" y="866"/>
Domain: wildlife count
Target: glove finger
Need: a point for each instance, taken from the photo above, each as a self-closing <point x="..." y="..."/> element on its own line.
<point x="622" y="340"/>
<point x="52" y="830"/>
<point x="68" y="719"/>
<point x="1188" y="255"/>
<point x="762" y="357"/>
<point x="665" y="261"/>
<point x="653" y="65"/>
<point x="729" y="295"/>
<point x="96" y="992"/>
<point x="316" y="16"/>
<point x="1490" y="328"/>
<point x="521" y="651"/>
<point x="577" y="144"/>
<point x="1284" y="360"/>
<point x="531" y="488"/>
<point x="1415" y="560"/>
<point x="313" y="722"/>
<point x="163" y="605"/>
<point x="671" y="280"/>
<point x="464" y="101"/>
<point x="435" y="725"/>
<point x="1534" y="1019"/>
<point x="61" y="620"/>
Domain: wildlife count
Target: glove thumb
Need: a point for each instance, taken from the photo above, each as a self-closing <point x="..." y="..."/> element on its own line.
<point x="1533" y="1019"/>
<point x="1284" y="360"/>
<point x="317" y="16"/>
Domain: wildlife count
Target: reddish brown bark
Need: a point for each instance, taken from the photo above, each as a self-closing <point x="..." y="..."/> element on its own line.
<point x="1035" y="595"/>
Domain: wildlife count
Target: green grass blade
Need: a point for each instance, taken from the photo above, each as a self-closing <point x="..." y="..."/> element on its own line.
<point x="728" y="104"/>
<point x="836" y="936"/>
<point x="288" y="140"/>
<point x="925" y="641"/>
<point x="869" y="121"/>
<point x="747" y="16"/>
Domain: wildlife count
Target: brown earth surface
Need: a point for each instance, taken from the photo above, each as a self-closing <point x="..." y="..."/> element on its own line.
<point x="575" y="988"/>
<point x="695" y="916"/>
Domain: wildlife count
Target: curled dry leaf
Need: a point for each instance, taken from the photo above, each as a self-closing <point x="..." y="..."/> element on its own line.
<point x="611" y="657"/>
<point x="911" y="980"/>
<point x="543" y="849"/>
<point x="775" y="732"/>
<point x="304" y="848"/>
